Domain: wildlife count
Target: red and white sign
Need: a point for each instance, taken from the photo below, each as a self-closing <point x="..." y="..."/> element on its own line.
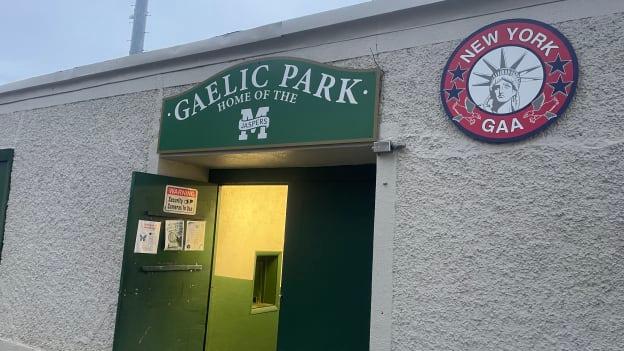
<point x="180" y="200"/>
<point x="509" y="80"/>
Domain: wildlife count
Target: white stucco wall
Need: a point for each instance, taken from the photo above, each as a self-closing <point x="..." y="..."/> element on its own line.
<point x="477" y="246"/>
<point x="66" y="218"/>
<point x="518" y="246"/>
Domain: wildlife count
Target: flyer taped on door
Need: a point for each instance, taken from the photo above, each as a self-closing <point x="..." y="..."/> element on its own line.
<point x="148" y="233"/>
<point x="195" y="233"/>
<point x="174" y="234"/>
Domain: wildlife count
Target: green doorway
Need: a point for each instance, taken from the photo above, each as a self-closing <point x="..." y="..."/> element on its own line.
<point x="304" y="282"/>
<point x="244" y="297"/>
<point x="327" y="256"/>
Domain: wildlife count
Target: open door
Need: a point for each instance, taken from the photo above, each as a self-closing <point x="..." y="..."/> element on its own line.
<point x="163" y="296"/>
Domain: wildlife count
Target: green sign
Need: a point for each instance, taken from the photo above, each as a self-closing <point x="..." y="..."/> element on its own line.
<point x="270" y="103"/>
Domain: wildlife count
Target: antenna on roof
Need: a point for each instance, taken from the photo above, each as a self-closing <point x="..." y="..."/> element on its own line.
<point x="139" y="19"/>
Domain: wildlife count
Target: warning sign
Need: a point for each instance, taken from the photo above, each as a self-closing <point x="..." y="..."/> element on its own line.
<point x="180" y="200"/>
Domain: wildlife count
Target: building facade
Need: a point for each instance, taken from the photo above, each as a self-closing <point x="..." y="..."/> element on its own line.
<point x="472" y="245"/>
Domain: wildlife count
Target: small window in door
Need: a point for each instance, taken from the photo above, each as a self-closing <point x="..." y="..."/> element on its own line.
<point x="266" y="283"/>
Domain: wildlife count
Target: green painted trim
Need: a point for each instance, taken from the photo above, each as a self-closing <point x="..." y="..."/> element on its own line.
<point x="6" y="158"/>
<point x="365" y="141"/>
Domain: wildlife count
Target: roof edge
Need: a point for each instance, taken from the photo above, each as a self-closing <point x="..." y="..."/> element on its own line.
<point x="270" y="31"/>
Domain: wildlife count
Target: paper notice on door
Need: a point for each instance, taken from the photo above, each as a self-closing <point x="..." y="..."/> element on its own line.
<point x="174" y="234"/>
<point x="180" y="200"/>
<point x="195" y="233"/>
<point x="147" y="237"/>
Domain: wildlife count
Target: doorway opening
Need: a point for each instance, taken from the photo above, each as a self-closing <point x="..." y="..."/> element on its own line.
<point x="246" y="281"/>
<point x="324" y="300"/>
<point x="280" y="260"/>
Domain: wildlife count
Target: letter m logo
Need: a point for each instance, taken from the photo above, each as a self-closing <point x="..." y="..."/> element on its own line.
<point x="249" y="122"/>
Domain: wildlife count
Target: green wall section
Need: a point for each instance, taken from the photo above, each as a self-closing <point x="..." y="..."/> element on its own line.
<point x="231" y="326"/>
<point x="326" y="282"/>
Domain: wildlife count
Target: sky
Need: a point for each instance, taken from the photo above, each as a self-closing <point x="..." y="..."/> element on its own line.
<point x="44" y="36"/>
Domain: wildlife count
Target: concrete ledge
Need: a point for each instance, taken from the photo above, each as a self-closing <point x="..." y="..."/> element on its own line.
<point x="6" y="345"/>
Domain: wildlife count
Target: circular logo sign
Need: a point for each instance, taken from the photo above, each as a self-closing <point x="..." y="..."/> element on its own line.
<point x="509" y="80"/>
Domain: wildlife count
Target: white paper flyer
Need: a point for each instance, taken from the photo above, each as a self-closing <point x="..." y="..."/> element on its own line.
<point x="195" y="233"/>
<point x="174" y="234"/>
<point x="147" y="237"/>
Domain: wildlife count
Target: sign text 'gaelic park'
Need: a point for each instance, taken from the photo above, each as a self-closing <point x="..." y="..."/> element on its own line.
<point x="272" y="102"/>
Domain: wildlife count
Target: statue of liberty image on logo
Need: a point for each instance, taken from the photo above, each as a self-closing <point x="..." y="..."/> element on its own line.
<point x="506" y="88"/>
<point x="509" y="80"/>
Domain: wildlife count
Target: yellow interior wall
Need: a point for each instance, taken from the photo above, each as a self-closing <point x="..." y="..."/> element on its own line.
<point x="250" y="218"/>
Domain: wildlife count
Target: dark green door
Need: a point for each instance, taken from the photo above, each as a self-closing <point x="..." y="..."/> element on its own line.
<point x="163" y="297"/>
<point x="326" y="282"/>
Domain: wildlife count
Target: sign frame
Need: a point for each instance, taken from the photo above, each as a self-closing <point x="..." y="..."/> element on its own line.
<point x="375" y="113"/>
